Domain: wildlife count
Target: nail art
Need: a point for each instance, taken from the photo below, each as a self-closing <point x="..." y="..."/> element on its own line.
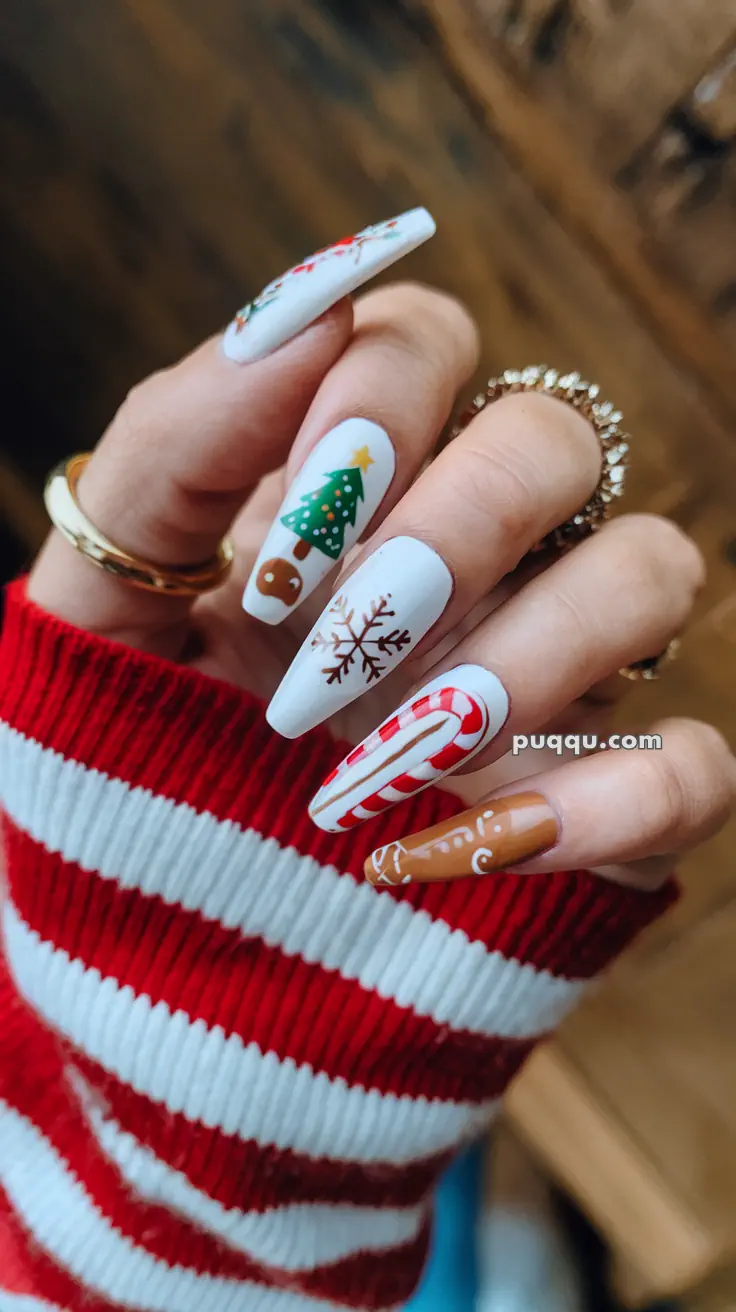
<point x="499" y="833"/>
<point x="328" y="506"/>
<point x="293" y="301"/>
<point x="383" y="610"/>
<point x="450" y="720"/>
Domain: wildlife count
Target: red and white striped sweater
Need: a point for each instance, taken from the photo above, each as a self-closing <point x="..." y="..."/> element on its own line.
<point x="230" y="1069"/>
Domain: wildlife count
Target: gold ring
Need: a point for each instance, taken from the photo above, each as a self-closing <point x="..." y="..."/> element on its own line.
<point x="651" y="666"/>
<point x="606" y="421"/>
<point x="66" y="514"/>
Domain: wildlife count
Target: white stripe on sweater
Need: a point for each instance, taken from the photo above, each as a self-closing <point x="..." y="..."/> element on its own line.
<point x="251" y="884"/>
<point x="221" y="1081"/>
<point x="25" y="1303"/>
<point x="298" y="1237"/>
<point x="63" y="1219"/>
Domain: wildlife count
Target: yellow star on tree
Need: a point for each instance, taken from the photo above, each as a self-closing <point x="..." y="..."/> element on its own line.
<point x="361" y="459"/>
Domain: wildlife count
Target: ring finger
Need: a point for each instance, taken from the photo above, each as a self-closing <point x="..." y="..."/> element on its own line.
<point x="616" y="597"/>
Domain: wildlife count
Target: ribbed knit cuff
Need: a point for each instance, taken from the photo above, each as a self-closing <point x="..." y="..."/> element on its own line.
<point x="159" y="726"/>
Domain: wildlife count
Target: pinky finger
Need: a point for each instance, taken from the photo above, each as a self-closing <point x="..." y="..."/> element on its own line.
<point x="624" y="815"/>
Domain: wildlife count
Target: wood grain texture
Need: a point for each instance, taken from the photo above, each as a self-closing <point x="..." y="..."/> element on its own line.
<point x="163" y="160"/>
<point x="632" y="1108"/>
<point x="595" y="99"/>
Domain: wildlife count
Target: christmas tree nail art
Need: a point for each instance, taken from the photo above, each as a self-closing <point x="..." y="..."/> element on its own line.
<point x="328" y="507"/>
<point x="291" y="302"/>
<point x="325" y="514"/>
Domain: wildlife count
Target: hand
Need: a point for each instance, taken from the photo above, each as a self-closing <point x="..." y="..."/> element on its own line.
<point x="450" y="601"/>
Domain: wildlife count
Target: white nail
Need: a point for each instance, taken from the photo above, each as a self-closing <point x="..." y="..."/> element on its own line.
<point x="378" y="617"/>
<point x="293" y="301"/>
<point x="450" y="720"/>
<point x="330" y="503"/>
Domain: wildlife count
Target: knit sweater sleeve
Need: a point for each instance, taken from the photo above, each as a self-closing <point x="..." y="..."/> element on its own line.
<point x="231" y="1070"/>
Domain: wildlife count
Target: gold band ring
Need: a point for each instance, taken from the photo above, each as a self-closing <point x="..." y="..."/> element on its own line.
<point x="602" y="415"/>
<point x="66" y="514"/>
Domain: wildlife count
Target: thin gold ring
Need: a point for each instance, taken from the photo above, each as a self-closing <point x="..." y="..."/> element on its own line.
<point x="605" y="420"/>
<point x="66" y="514"/>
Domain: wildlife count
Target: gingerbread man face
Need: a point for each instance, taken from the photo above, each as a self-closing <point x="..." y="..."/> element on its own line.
<point x="279" y="578"/>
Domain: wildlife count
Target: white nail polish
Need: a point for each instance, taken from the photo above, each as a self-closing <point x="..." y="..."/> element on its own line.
<point x="328" y="506"/>
<point x="370" y="626"/>
<point x="293" y="301"/>
<point x="450" y="720"/>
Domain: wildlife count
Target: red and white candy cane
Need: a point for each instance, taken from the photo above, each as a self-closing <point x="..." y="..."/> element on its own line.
<point x="471" y="715"/>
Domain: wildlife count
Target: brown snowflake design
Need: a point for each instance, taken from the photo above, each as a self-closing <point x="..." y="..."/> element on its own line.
<point x="349" y="641"/>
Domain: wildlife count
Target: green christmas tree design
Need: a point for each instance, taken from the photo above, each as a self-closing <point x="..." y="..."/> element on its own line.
<point x="324" y="514"/>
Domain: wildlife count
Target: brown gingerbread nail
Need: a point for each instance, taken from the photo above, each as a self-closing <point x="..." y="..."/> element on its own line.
<point x="498" y="833"/>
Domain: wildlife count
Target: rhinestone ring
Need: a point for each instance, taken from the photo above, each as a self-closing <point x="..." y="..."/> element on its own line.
<point x="605" y="419"/>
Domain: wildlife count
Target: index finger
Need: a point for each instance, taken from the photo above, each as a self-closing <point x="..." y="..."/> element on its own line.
<point x="178" y="460"/>
<point x="188" y="446"/>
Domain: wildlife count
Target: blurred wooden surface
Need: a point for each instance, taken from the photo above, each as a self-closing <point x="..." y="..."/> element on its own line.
<point x="162" y="160"/>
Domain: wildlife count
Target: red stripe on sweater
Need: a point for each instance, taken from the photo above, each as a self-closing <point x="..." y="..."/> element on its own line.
<point x="45" y="1277"/>
<point x="369" y="1279"/>
<point x="234" y="1172"/>
<point x="284" y="1005"/>
<point x="376" y="1279"/>
<point x="182" y="734"/>
<point x="160" y="726"/>
<point x="30" y="1055"/>
<point x="241" y="1174"/>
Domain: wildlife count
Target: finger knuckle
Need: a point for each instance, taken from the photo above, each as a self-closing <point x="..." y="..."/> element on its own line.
<point x="423" y="301"/>
<point x="137" y="416"/>
<point x="694" y="785"/>
<point x="573" y="619"/>
<point x="668" y="802"/>
<point x="704" y="751"/>
<point x="430" y="325"/>
<point x="662" y="548"/>
<point x="629" y="566"/>
<point x="512" y="491"/>
<point x="567" y="440"/>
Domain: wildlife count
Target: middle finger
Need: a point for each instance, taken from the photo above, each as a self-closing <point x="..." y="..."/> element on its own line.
<point x="523" y="466"/>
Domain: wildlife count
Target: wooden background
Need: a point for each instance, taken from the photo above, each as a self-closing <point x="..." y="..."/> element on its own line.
<point x="163" y="159"/>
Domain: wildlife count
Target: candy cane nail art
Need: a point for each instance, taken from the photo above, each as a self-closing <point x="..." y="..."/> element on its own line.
<point x="449" y="721"/>
<point x="293" y="301"/>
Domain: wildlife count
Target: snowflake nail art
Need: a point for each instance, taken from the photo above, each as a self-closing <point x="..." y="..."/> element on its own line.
<point x="379" y="616"/>
<point x="352" y="638"/>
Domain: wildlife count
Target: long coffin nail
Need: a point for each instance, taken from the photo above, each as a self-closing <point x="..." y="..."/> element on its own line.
<point x="293" y="301"/>
<point x="492" y="836"/>
<point x="327" y="508"/>
<point x="449" y="721"/>
<point x="382" y="612"/>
